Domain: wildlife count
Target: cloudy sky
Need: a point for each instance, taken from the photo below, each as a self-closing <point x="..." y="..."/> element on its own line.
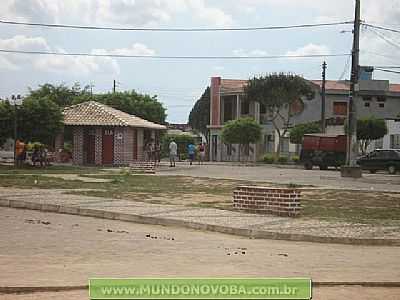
<point x="179" y="83"/>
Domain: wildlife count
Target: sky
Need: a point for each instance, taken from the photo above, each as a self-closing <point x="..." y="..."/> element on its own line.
<point x="178" y="84"/>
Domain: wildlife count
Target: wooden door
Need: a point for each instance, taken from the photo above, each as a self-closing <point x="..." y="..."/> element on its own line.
<point x="108" y="146"/>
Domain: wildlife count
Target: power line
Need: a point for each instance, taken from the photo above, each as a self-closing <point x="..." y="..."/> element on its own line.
<point x="381" y="27"/>
<point x="171" y="57"/>
<point x="387" y="71"/>
<point x="346" y="67"/>
<point x="174" y="29"/>
<point x="385" y="38"/>
<point x="387" y="67"/>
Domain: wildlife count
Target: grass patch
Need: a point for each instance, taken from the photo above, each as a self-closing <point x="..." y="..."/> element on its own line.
<point x="336" y="205"/>
<point x="49" y="170"/>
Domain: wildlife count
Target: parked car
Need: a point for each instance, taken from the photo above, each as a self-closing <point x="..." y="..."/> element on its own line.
<point x="381" y="160"/>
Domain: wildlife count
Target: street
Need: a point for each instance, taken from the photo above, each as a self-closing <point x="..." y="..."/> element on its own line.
<point x="47" y="249"/>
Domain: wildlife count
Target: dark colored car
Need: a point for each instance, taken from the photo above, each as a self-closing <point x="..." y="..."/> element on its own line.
<point x="381" y="160"/>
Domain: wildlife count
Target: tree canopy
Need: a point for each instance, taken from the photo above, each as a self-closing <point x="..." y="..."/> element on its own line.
<point x="39" y="120"/>
<point x="278" y="92"/>
<point x="199" y="116"/>
<point x="40" y="115"/>
<point x="370" y="129"/>
<point x="243" y="131"/>
<point x="297" y="132"/>
<point x="6" y="121"/>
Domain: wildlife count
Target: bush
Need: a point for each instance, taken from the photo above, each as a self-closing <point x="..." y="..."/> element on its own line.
<point x="268" y="159"/>
<point x="34" y="146"/>
<point x="295" y="159"/>
<point x="282" y="160"/>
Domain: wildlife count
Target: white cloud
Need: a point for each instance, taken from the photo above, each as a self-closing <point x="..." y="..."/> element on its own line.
<point x="310" y="49"/>
<point x="256" y="52"/>
<point x="122" y="12"/>
<point x="76" y="65"/>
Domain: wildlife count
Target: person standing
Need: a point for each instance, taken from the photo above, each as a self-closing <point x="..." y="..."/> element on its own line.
<point x="191" y="152"/>
<point x="173" y="152"/>
<point x="202" y="153"/>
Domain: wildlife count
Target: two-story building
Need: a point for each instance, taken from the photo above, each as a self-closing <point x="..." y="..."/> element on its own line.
<point x="376" y="98"/>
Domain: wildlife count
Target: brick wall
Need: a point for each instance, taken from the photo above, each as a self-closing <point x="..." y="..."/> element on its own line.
<point x="98" y="145"/>
<point x="77" y="153"/>
<point x="215" y="101"/>
<point x="128" y="145"/>
<point x="140" y="144"/>
<point x="263" y="200"/>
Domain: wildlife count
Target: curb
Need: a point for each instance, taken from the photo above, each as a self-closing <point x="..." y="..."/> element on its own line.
<point x="57" y="289"/>
<point x="249" y="233"/>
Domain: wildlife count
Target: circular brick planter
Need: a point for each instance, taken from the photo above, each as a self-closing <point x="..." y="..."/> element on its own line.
<point x="284" y="202"/>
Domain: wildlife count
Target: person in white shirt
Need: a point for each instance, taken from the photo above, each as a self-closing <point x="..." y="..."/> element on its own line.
<point x="173" y="152"/>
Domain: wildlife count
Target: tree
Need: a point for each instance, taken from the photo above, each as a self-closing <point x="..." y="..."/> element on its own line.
<point x="199" y="116"/>
<point x="243" y="131"/>
<point x="297" y="132"/>
<point x="6" y="121"/>
<point x="39" y="120"/>
<point x="61" y="94"/>
<point x="278" y="92"/>
<point x="369" y="129"/>
<point x="144" y="106"/>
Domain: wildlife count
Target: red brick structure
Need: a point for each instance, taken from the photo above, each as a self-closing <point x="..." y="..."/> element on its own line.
<point x="264" y="200"/>
<point x="103" y="135"/>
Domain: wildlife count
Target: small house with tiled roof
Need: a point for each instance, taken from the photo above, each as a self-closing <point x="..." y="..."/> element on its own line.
<point x="103" y="135"/>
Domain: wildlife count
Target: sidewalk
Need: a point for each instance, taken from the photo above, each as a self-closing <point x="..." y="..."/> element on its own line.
<point x="207" y="219"/>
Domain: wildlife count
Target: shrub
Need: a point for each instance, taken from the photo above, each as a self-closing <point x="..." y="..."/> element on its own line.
<point x="295" y="159"/>
<point x="282" y="159"/>
<point x="268" y="159"/>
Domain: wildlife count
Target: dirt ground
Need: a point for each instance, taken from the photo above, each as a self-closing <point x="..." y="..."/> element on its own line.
<point x="326" y="293"/>
<point x="45" y="249"/>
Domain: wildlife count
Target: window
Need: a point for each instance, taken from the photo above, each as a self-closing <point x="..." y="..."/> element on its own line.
<point x="381" y="99"/>
<point x="379" y="144"/>
<point x="367" y="104"/>
<point x="263" y="109"/>
<point x="381" y="105"/>
<point x="245" y="107"/>
<point x="367" y="98"/>
<point x="395" y="141"/>
<point x="340" y="108"/>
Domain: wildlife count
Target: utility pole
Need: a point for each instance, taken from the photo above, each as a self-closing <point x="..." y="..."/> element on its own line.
<point x="114" y="86"/>
<point x="323" y="98"/>
<point x="351" y="169"/>
<point x="15" y="129"/>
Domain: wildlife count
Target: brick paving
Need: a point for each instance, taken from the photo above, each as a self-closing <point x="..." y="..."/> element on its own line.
<point x="177" y="214"/>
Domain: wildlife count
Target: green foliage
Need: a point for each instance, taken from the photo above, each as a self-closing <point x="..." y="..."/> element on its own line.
<point x="282" y="160"/>
<point x="369" y="129"/>
<point x="6" y="121"/>
<point x="199" y="116"/>
<point x="144" y="106"/>
<point x="268" y="159"/>
<point x="39" y="120"/>
<point x="61" y="94"/>
<point x="242" y="131"/>
<point x="295" y="159"/>
<point x="278" y="92"/>
<point x="297" y="132"/>
<point x="182" y="140"/>
<point x="131" y="102"/>
<point x="34" y="146"/>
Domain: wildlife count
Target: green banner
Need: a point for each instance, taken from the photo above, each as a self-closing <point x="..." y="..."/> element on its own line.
<point x="200" y="288"/>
